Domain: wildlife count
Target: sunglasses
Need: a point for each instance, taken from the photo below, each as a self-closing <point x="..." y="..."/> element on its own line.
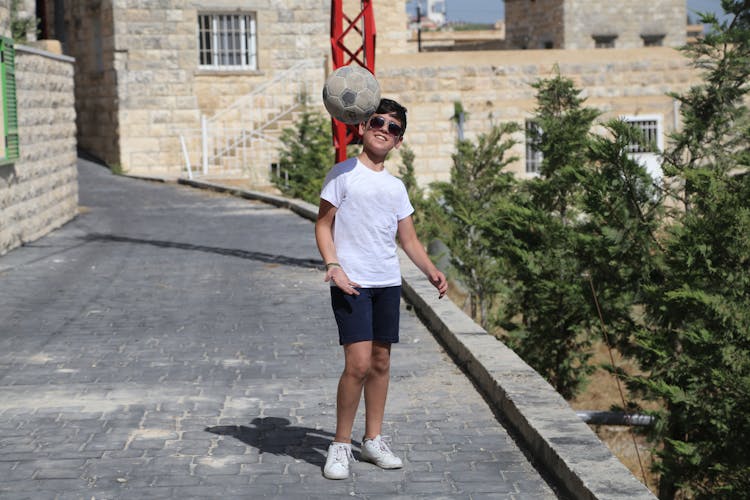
<point x="377" y="122"/>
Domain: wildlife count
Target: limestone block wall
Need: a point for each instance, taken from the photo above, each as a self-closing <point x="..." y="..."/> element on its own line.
<point x="39" y="192"/>
<point x="391" y="24"/>
<point x="496" y="87"/>
<point x="531" y="25"/>
<point x="5" y="18"/>
<point x="630" y="20"/>
<point x="89" y="38"/>
<point x="287" y="34"/>
<point x="571" y="24"/>
<point x="25" y="9"/>
<point x="155" y="58"/>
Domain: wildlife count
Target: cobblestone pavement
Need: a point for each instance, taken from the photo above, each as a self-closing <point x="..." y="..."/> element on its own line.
<point x="175" y="343"/>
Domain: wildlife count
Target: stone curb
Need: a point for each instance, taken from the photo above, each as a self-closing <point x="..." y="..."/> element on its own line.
<point x="150" y="178"/>
<point x="555" y="436"/>
<point x="304" y="209"/>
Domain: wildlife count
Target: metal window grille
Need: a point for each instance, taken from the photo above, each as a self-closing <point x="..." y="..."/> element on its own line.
<point x="533" y="156"/>
<point x="650" y="131"/>
<point x="227" y="41"/>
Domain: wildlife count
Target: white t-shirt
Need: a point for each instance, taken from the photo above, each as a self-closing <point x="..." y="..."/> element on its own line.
<point x="369" y="205"/>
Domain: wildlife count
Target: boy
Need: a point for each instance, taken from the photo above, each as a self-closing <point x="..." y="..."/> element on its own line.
<point x="362" y="209"/>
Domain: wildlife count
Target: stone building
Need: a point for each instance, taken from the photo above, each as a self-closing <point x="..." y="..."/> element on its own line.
<point x="497" y="87"/>
<point x="207" y="85"/>
<point x="147" y="72"/>
<point x="588" y="24"/>
<point x="38" y="181"/>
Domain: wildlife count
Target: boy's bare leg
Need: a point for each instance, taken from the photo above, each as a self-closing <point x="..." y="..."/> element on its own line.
<point x="357" y="358"/>
<point x="376" y="388"/>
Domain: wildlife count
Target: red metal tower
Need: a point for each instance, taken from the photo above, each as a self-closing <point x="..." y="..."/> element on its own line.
<point x="352" y="41"/>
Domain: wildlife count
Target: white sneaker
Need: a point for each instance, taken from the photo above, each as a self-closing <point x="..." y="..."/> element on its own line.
<point x="337" y="461"/>
<point x="376" y="451"/>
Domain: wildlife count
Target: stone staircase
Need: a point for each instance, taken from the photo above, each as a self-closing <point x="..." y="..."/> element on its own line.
<point x="243" y="140"/>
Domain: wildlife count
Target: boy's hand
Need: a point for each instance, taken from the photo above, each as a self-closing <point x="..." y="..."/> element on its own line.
<point x="438" y="281"/>
<point x="341" y="280"/>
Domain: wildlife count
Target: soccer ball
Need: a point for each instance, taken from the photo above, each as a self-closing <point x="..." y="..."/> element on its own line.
<point x="351" y="94"/>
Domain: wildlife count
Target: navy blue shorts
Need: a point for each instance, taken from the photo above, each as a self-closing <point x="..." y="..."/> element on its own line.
<point x="371" y="315"/>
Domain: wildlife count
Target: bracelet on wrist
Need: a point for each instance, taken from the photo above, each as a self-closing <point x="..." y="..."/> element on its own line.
<point x="329" y="265"/>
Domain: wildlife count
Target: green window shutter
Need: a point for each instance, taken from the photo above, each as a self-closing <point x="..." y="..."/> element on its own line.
<point x="10" y="113"/>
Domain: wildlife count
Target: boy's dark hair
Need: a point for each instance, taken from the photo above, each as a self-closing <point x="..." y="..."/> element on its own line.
<point x="391" y="107"/>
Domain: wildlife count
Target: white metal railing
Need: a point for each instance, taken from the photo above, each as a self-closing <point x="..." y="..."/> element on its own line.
<point x="243" y="139"/>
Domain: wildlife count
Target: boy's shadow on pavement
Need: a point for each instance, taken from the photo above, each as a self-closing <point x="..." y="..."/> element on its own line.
<point x="275" y="435"/>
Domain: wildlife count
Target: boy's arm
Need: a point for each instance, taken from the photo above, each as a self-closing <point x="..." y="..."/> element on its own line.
<point x="407" y="235"/>
<point x="324" y="239"/>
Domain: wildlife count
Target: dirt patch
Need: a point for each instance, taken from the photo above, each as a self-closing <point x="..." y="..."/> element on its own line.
<point x="602" y="393"/>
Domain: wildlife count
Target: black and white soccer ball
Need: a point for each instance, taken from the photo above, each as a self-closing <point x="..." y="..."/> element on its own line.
<point x="351" y="94"/>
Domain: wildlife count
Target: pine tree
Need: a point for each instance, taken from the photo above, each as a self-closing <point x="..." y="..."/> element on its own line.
<point x="695" y="345"/>
<point x="406" y="172"/>
<point x="548" y="313"/>
<point x="306" y="155"/>
<point x="623" y="207"/>
<point x="477" y="179"/>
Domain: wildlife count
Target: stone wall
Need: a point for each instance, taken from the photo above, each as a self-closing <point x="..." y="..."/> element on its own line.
<point x="25" y="10"/>
<point x="156" y="60"/>
<point x="496" y="87"/>
<point x="4" y="18"/>
<point x="39" y="191"/>
<point x="630" y="20"/>
<point x="393" y="34"/>
<point x="89" y="38"/>
<point x="286" y="36"/>
<point x="531" y="25"/>
<point x="572" y="24"/>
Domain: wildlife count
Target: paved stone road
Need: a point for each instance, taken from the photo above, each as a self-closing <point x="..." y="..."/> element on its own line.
<point x="174" y="343"/>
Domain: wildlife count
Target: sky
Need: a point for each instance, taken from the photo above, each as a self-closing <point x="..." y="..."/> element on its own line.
<point x="488" y="11"/>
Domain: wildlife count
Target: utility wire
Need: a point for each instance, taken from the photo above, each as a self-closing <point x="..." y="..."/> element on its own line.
<point x="617" y="378"/>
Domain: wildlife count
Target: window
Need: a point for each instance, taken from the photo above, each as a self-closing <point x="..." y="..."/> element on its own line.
<point x="9" y="150"/>
<point x="533" y="155"/>
<point x="604" y="41"/>
<point x="650" y="128"/>
<point x="227" y="42"/>
<point x="647" y="151"/>
<point x="656" y="40"/>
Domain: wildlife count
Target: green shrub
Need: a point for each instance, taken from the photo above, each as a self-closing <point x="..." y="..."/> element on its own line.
<point x="306" y="156"/>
